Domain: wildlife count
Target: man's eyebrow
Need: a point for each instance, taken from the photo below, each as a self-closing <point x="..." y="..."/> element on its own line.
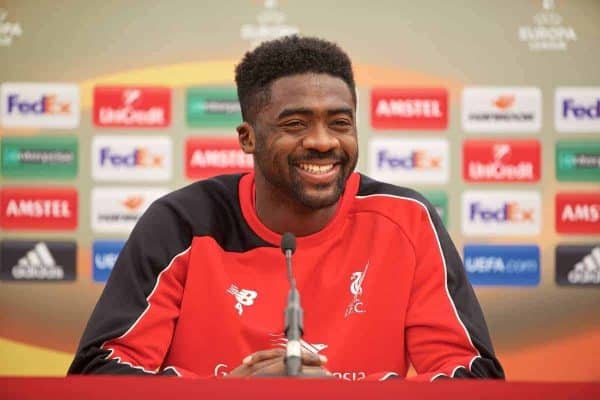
<point x="307" y="111"/>
<point x="342" y="110"/>
<point x="292" y="111"/>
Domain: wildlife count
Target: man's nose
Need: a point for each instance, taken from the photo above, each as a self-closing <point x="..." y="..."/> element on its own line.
<point x="320" y="139"/>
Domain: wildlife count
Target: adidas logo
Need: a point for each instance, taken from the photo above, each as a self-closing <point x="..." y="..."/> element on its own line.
<point x="38" y="263"/>
<point x="587" y="270"/>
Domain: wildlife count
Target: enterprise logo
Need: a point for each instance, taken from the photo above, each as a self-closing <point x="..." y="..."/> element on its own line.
<point x="502" y="265"/>
<point x="578" y="160"/>
<point x="39" y="157"/>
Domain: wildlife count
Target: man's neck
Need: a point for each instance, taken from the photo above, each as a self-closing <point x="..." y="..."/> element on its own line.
<point x="280" y="213"/>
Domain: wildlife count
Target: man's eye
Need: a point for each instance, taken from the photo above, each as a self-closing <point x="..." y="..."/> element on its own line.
<point x="342" y="123"/>
<point x="294" y="124"/>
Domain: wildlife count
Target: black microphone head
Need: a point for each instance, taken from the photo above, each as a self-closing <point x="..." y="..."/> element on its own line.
<point x="288" y="242"/>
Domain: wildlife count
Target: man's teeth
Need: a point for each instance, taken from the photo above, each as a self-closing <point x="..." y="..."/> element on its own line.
<point x="316" y="169"/>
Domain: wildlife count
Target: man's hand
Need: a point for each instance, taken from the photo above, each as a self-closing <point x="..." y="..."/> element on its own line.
<point x="272" y="363"/>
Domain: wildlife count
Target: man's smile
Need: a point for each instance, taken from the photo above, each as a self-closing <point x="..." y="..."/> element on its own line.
<point x="318" y="173"/>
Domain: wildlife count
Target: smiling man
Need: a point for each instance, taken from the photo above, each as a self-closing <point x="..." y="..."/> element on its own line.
<point x="199" y="289"/>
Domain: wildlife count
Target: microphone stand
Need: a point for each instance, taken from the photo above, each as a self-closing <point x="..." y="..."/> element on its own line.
<point x="294" y="327"/>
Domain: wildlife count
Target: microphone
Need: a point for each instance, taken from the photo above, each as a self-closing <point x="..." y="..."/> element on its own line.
<point x="294" y="328"/>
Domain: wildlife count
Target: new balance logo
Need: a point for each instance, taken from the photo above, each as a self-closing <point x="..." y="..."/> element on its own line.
<point x="356" y="306"/>
<point x="38" y="263"/>
<point x="243" y="297"/>
<point x="587" y="270"/>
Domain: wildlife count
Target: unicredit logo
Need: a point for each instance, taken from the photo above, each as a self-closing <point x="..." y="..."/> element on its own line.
<point x="578" y="213"/>
<point x="140" y="157"/>
<point x="45" y="104"/>
<point x="409" y="108"/>
<point x="39" y="208"/>
<point x="132" y="107"/>
<point x="215" y="156"/>
<point x="508" y="212"/>
<point x="414" y="160"/>
<point x="498" y="161"/>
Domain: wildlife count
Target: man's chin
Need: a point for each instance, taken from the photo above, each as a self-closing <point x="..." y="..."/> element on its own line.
<point x="320" y="198"/>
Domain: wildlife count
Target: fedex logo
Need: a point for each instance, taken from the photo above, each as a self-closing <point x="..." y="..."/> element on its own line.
<point x="507" y="212"/>
<point x="210" y="156"/>
<point x="414" y="160"/>
<point x="123" y="158"/>
<point x="414" y="108"/>
<point x="46" y="104"/>
<point x="580" y="111"/>
<point x="409" y="160"/>
<point x="578" y="213"/>
<point x="140" y="107"/>
<point x="504" y="213"/>
<point x="138" y="157"/>
<point x="577" y="109"/>
<point x="39" y="105"/>
<point x="501" y="161"/>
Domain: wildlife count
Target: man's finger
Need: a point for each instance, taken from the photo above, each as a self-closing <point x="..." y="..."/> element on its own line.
<point x="263" y="355"/>
<point x="271" y="367"/>
<point x="316" y="372"/>
<point x="313" y="359"/>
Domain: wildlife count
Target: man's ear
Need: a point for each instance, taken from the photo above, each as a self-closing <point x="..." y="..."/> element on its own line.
<point x="246" y="137"/>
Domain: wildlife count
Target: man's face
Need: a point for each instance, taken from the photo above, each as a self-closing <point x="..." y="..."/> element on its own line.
<point x="306" y="144"/>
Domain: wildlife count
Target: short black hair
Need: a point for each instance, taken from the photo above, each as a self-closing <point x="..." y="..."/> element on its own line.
<point x="290" y="55"/>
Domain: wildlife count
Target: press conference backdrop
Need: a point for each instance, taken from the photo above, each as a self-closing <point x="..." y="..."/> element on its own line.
<point x="490" y="108"/>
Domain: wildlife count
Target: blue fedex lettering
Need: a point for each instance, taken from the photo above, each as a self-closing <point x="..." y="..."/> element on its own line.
<point x="104" y="256"/>
<point x="45" y="105"/>
<point x="508" y="212"/>
<point x="581" y="111"/>
<point x="415" y="160"/>
<point x="137" y="157"/>
<point x="386" y="159"/>
<point x="127" y="159"/>
<point x="502" y="265"/>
